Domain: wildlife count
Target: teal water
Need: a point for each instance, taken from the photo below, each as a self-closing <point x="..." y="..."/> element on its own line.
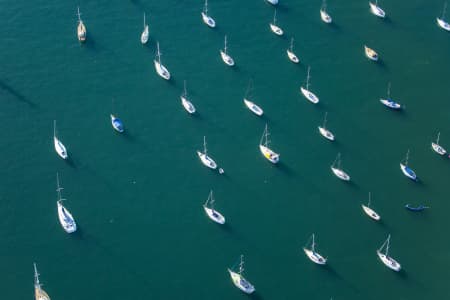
<point x="138" y="197"/>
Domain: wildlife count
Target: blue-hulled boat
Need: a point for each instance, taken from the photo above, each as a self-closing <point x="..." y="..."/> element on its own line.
<point x="407" y="171"/>
<point x="117" y="124"/>
<point x="416" y="208"/>
<point x="388" y="101"/>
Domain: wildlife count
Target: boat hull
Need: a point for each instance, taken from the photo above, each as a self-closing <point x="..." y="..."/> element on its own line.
<point x="60" y="148"/>
<point x="117" y="124"/>
<point x="438" y="149"/>
<point x="273" y="2"/>
<point x="326" y="133"/>
<point x="214" y="215"/>
<point x="226" y="58"/>
<point x="292" y="57"/>
<point x="444" y="25"/>
<point x="66" y="219"/>
<point x="145" y="35"/>
<point x="389" y="262"/>
<point x="391" y="104"/>
<point x="81" y="32"/>
<point x="340" y="174"/>
<point x="188" y="106"/>
<point x="241" y="283"/>
<point x="315" y="257"/>
<point x="309" y="95"/>
<point x="270" y="155"/>
<point x="207" y="161"/>
<point x="325" y="16"/>
<point x="208" y="20"/>
<point x="275" y="29"/>
<point x="371" y="213"/>
<point x="253" y="107"/>
<point x="370" y="53"/>
<point x="408" y="172"/>
<point x="40" y="294"/>
<point x="376" y="10"/>
<point x="161" y="70"/>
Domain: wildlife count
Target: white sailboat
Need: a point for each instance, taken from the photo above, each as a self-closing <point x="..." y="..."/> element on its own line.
<point x="386" y="259"/>
<point x="250" y="104"/>
<point x="324" y="131"/>
<point x="438" y="148"/>
<point x="370" y="212"/>
<point x="273" y="26"/>
<point x="313" y="255"/>
<point x="270" y="155"/>
<point x="145" y="33"/>
<point x="81" y="28"/>
<point x="337" y="170"/>
<point x="376" y="10"/>
<point x="160" y="69"/>
<point x="39" y="293"/>
<point x="116" y="123"/>
<point x="291" y="54"/>
<point x="59" y="147"/>
<point x="441" y="22"/>
<point x="307" y="93"/>
<point x="323" y="13"/>
<point x="238" y="279"/>
<point x="227" y="59"/>
<point x="370" y="53"/>
<point x="273" y="2"/>
<point x="188" y="106"/>
<point x="205" y="159"/>
<point x="206" y="18"/>
<point x="211" y="212"/>
<point x="65" y="217"/>
<point x="407" y="171"/>
<point x="388" y="101"/>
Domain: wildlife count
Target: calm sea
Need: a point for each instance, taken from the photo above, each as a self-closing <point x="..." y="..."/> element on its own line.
<point x="137" y="197"/>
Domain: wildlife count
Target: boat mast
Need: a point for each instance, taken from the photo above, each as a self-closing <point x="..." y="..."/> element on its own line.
<point x="79" y="15"/>
<point x="185" y="93"/>
<point x="325" y="120"/>
<point x="159" y="53"/>
<point x="275" y="17"/>
<point x="407" y="158"/>
<point x="368" y="204"/>
<point x="58" y="188"/>
<point x="313" y="245"/>
<point x="36" y="277"/>
<point x="437" y="141"/>
<point x="307" y="78"/>
<point x="266" y="135"/>
<point x="241" y="265"/>
<point x="292" y="45"/>
<point x="211" y="202"/>
<point x="205" y="9"/>
<point x="225" y="48"/>
<point x="443" y="11"/>
<point x="389" y="91"/>
<point x="54" y="128"/>
<point x="387" y="246"/>
<point x="324" y="5"/>
<point x="144" y="20"/>
<point x="204" y="145"/>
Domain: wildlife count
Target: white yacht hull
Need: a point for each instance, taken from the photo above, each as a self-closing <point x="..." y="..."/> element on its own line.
<point x="370" y="212"/>
<point x="253" y="107"/>
<point x="292" y="57"/>
<point x="340" y="174"/>
<point x="188" y="106"/>
<point x="161" y="70"/>
<point x="208" y="20"/>
<point x="444" y="25"/>
<point x="325" y="17"/>
<point x="315" y="257"/>
<point x="326" y="133"/>
<point x="391" y="104"/>
<point x="411" y="176"/>
<point x="227" y="59"/>
<point x="370" y="53"/>
<point x="269" y="154"/>
<point x="241" y="283"/>
<point x="389" y="262"/>
<point x="60" y="148"/>
<point x="144" y="35"/>
<point x="66" y="219"/>
<point x="214" y="215"/>
<point x="273" y="2"/>
<point x="309" y="95"/>
<point x="207" y="161"/>
<point x="438" y="149"/>
<point x="275" y="29"/>
<point x="376" y="10"/>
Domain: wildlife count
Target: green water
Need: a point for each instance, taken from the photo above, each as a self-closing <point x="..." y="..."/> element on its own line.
<point x="138" y="197"/>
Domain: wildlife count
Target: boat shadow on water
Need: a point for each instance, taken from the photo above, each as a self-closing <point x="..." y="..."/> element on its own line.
<point x="255" y="295"/>
<point x="9" y="89"/>
<point x="285" y="169"/>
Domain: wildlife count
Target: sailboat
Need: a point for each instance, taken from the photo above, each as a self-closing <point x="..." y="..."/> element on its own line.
<point x="205" y="159"/>
<point x="275" y="29"/>
<point x="376" y="10"/>
<point x="407" y="171"/>
<point x="291" y="54"/>
<point x="211" y="212"/>
<point x="250" y="104"/>
<point x="81" y="29"/>
<point x="307" y="93"/>
<point x="227" y="59"/>
<point x="188" y="106"/>
<point x="416" y="208"/>
<point x="207" y="19"/>
<point x="273" y="2"/>
<point x="386" y="259"/>
<point x="323" y="13"/>
<point x="336" y="168"/>
<point x="440" y="21"/>
<point x="59" y="147"/>
<point x="65" y="217"/>
<point x="270" y="155"/>
<point x="313" y="255"/>
<point x="144" y="35"/>
<point x="388" y="101"/>
<point x="370" y="53"/>
<point x="324" y="131"/>
<point x="116" y="123"/>
<point x="39" y="293"/>
<point x="438" y="148"/>
<point x="160" y="69"/>
<point x="238" y="279"/>
<point x="370" y="212"/>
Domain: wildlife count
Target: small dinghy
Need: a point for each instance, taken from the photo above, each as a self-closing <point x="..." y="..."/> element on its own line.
<point x="416" y="208"/>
